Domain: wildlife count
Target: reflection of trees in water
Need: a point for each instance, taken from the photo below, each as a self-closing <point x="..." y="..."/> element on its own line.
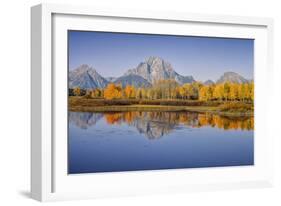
<point x="226" y="123"/>
<point x="151" y="124"/>
<point x="191" y="119"/>
<point x="158" y="124"/>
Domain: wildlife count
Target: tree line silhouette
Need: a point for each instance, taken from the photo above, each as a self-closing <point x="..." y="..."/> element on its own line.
<point x="170" y="89"/>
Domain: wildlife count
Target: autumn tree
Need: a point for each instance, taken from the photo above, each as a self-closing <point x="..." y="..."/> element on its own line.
<point x="150" y="93"/>
<point x="195" y="89"/>
<point x="96" y="93"/>
<point x="210" y="92"/>
<point x="246" y="94"/>
<point x="77" y="91"/>
<point x="113" y="91"/>
<point x="252" y="91"/>
<point x="242" y="92"/>
<point x="130" y="91"/>
<point x="234" y="91"/>
<point x="206" y="92"/>
<point x="187" y="91"/>
<point x="203" y="93"/>
<point x="140" y="93"/>
<point x="218" y="92"/>
<point x="144" y="93"/>
<point x="164" y="89"/>
<point x="182" y="92"/>
<point x="226" y="90"/>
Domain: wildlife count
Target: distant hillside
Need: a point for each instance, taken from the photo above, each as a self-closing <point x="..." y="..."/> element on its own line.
<point x="132" y="79"/>
<point x="232" y="77"/>
<point x="208" y="82"/>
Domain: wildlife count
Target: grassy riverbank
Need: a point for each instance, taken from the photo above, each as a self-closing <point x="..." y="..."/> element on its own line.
<point x="100" y="105"/>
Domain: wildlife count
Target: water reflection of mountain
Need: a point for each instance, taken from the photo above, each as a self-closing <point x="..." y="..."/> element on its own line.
<point x="153" y="125"/>
<point x="84" y="119"/>
<point x="157" y="124"/>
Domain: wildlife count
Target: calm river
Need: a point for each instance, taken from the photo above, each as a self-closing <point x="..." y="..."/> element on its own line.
<point x="127" y="141"/>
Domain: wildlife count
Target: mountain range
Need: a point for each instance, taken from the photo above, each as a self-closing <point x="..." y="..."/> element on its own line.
<point x="145" y="74"/>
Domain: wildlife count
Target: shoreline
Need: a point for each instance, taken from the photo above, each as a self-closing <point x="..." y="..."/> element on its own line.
<point x="158" y="108"/>
<point x="81" y="104"/>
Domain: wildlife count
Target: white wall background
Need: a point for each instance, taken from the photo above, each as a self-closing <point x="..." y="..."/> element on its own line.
<point x="15" y="101"/>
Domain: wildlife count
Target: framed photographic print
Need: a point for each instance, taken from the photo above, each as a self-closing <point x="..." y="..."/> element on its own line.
<point x="137" y="102"/>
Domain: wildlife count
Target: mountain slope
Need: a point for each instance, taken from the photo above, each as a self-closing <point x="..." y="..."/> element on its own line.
<point x="86" y="77"/>
<point x="132" y="79"/>
<point x="232" y="77"/>
<point x="208" y="82"/>
<point x="184" y="79"/>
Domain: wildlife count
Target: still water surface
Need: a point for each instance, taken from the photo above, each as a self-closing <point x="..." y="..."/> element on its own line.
<point x="127" y="141"/>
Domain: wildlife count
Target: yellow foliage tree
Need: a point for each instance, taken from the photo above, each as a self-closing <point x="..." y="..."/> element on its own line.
<point x="242" y="92"/>
<point x="203" y="93"/>
<point x="218" y="91"/>
<point x="226" y="90"/>
<point x="252" y="91"/>
<point x="234" y="91"/>
<point x="130" y="91"/>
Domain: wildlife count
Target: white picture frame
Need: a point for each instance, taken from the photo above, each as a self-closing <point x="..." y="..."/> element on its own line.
<point x="49" y="180"/>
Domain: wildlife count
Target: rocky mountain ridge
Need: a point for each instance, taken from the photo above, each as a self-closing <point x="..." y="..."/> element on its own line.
<point x="145" y="74"/>
<point x="154" y="69"/>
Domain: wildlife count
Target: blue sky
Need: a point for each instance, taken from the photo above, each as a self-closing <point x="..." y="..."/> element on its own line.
<point x="112" y="54"/>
